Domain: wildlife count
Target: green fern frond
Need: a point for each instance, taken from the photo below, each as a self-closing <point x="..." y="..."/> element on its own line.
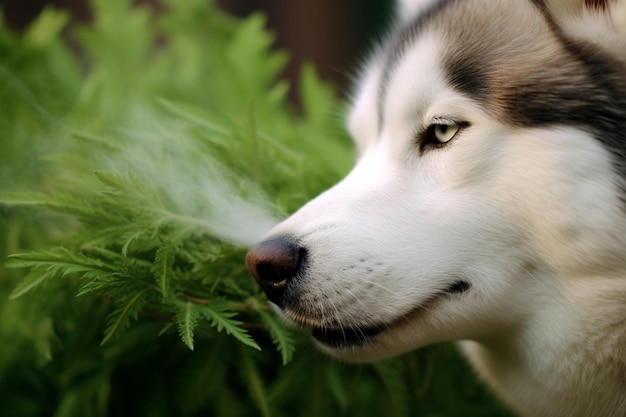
<point x="58" y="262"/>
<point x="121" y="283"/>
<point x="128" y="238"/>
<point x="61" y="260"/>
<point x="125" y="310"/>
<point x="281" y="336"/>
<point x="187" y="318"/>
<point x="59" y="203"/>
<point x="163" y="266"/>
<point x="218" y="313"/>
<point x="34" y="279"/>
<point x="118" y="182"/>
<point x="198" y="117"/>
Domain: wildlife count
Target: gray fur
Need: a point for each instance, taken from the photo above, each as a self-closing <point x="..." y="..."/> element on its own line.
<point x="527" y="74"/>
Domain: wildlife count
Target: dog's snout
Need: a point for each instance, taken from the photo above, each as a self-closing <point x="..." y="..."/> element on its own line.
<point x="273" y="263"/>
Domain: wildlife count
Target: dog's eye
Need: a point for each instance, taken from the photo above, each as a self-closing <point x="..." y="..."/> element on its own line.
<point x="439" y="133"/>
<point x="445" y="132"/>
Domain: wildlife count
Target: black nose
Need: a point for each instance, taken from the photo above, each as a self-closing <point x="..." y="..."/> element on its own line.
<point x="273" y="263"/>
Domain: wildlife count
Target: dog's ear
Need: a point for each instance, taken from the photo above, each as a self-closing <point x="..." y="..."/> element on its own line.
<point x="599" y="22"/>
<point x="611" y="13"/>
<point x="618" y="14"/>
<point x="406" y="9"/>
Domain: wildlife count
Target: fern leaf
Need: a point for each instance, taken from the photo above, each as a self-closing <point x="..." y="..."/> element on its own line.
<point x="219" y="317"/>
<point x="281" y="336"/>
<point x="162" y="269"/>
<point x="187" y="319"/>
<point x="113" y="180"/>
<point x="60" y="203"/>
<point x="118" y="285"/>
<point x="119" y="319"/>
<point x="60" y="258"/>
<point x="59" y="262"/>
<point x="97" y="142"/>
<point x="31" y="281"/>
<point x="129" y="239"/>
<point x="46" y="27"/>
<point x="195" y="116"/>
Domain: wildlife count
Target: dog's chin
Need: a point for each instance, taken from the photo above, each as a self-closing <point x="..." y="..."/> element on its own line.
<point x="365" y="343"/>
<point x="368" y="343"/>
<point x="348" y="337"/>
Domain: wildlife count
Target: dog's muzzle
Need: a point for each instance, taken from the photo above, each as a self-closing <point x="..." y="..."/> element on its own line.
<point x="273" y="264"/>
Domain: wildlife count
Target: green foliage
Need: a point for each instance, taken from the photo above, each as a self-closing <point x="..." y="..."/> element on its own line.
<point x="135" y="167"/>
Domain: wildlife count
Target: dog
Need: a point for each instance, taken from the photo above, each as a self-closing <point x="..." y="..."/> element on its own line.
<point x="487" y="205"/>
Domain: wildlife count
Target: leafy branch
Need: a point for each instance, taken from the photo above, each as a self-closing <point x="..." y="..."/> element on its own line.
<point x="132" y="179"/>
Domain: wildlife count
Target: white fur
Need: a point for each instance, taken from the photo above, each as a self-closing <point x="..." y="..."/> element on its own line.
<point x="605" y="28"/>
<point x="408" y="8"/>
<point x="531" y="217"/>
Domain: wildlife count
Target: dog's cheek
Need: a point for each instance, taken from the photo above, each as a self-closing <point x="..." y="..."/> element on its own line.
<point x="572" y="203"/>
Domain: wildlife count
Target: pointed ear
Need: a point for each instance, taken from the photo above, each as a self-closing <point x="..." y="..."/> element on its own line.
<point x="618" y="14"/>
<point x="612" y="12"/>
<point x="406" y="9"/>
<point x="596" y="4"/>
<point x="615" y="9"/>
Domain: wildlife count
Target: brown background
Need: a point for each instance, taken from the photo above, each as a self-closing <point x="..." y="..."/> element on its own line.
<point x="334" y="34"/>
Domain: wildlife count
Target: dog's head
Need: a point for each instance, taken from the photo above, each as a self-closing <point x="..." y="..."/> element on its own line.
<point x="488" y="159"/>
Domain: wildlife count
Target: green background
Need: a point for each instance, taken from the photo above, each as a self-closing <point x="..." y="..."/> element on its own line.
<point x="125" y="146"/>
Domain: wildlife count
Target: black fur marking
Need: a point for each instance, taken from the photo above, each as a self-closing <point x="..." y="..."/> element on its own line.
<point x="597" y="4"/>
<point x="346" y="337"/>
<point x="458" y="287"/>
<point x="465" y="76"/>
<point x="596" y="102"/>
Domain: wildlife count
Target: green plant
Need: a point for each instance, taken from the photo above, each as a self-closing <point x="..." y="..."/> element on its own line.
<point x="134" y="172"/>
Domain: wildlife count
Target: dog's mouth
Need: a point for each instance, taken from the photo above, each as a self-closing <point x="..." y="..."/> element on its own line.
<point x="345" y="337"/>
<point x="353" y="336"/>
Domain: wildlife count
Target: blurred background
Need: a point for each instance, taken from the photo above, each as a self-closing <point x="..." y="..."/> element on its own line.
<point x="52" y="363"/>
<point x="334" y="34"/>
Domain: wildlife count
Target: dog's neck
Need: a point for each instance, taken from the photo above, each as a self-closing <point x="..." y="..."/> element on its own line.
<point x="568" y="355"/>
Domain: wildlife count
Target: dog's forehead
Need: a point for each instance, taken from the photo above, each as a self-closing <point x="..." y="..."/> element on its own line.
<point x="506" y="56"/>
<point x="466" y="46"/>
<point x="482" y="44"/>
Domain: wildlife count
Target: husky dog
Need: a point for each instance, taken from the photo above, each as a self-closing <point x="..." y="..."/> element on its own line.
<point x="487" y="205"/>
